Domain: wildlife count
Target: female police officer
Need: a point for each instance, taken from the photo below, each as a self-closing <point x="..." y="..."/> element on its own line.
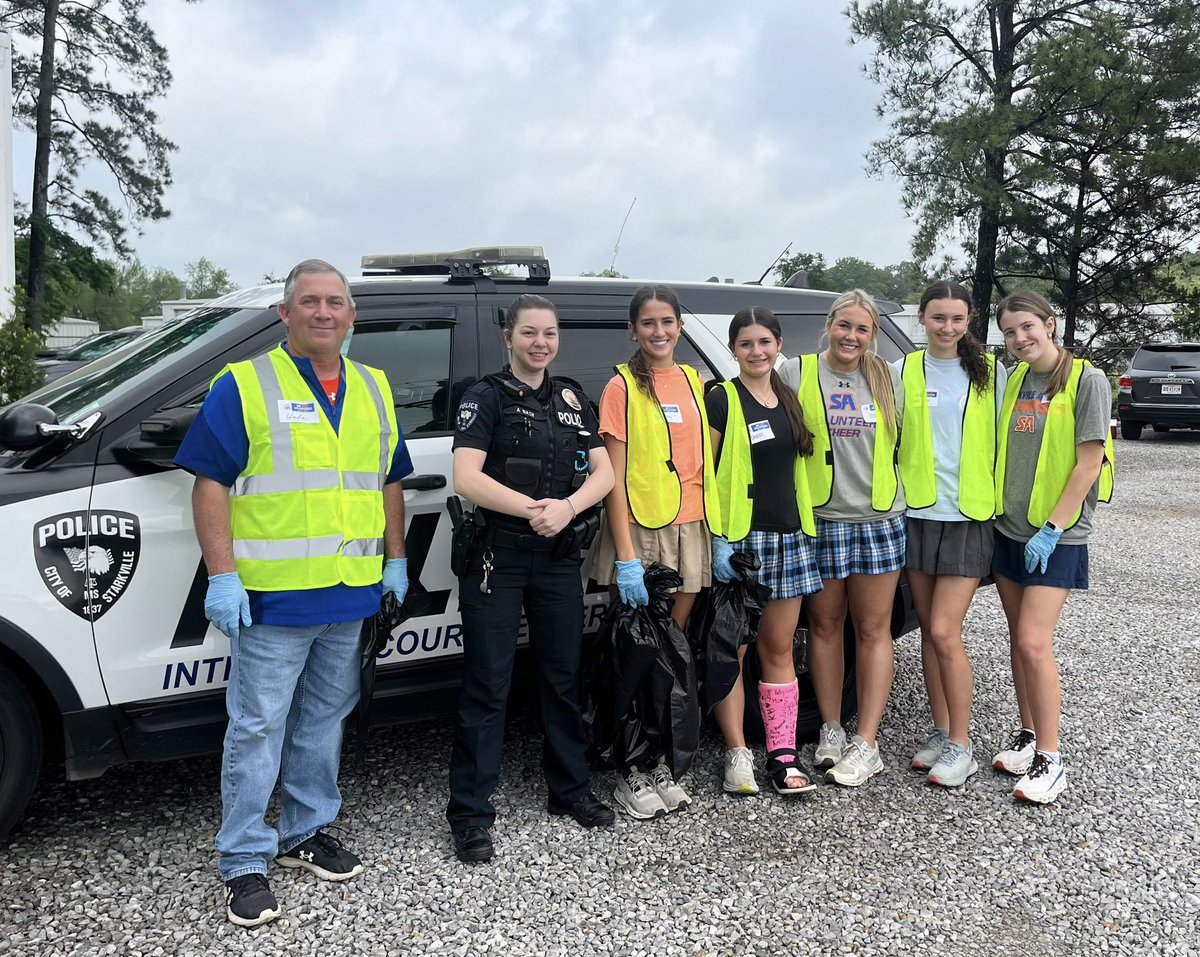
<point x="527" y="454"/>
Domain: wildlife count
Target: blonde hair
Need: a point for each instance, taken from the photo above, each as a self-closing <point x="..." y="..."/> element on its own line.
<point x="879" y="378"/>
<point x="1026" y="300"/>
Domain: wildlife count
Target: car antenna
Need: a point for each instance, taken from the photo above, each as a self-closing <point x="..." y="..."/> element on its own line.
<point x="612" y="266"/>
<point x="760" y="279"/>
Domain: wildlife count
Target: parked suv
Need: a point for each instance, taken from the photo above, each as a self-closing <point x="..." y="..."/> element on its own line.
<point x="1161" y="389"/>
<point x="105" y="653"/>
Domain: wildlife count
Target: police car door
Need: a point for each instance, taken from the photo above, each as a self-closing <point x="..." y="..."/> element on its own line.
<point x="429" y="353"/>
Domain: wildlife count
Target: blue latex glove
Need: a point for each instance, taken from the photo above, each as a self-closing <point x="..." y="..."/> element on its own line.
<point x="227" y="604"/>
<point x="722" y="551"/>
<point x="395" y="577"/>
<point x="631" y="583"/>
<point x="1039" y="548"/>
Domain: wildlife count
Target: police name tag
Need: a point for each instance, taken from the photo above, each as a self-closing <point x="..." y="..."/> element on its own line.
<point x="301" y="412"/>
<point x="673" y="414"/>
<point x="760" y="432"/>
<point x="868" y="413"/>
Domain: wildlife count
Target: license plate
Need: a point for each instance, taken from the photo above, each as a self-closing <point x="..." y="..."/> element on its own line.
<point x="1171" y="389"/>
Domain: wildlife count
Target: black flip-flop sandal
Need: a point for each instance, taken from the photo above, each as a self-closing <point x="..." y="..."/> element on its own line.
<point x="778" y="770"/>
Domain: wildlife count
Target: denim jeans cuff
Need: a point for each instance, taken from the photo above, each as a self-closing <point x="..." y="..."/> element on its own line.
<point x="244" y="870"/>
<point x="293" y="844"/>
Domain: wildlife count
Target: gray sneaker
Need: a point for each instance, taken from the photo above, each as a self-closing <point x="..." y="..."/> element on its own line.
<point x="830" y="746"/>
<point x="954" y="766"/>
<point x="671" y="794"/>
<point x="928" y="756"/>
<point x="1017" y="758"/>
<point x="636" y="796"/>
<point x="860" y="762"/>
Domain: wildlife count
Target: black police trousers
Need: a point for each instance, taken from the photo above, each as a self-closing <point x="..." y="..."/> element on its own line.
<point x="551" y="594"/>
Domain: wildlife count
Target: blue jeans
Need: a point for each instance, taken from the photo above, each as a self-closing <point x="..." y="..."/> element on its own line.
<point x="289" y="691"/>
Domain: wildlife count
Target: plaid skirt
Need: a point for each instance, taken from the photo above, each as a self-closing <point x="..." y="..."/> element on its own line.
<point x="860" y="548"/>
<point x="789" y="562"/>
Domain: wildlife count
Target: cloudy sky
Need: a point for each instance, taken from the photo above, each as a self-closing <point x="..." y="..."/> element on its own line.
<point x="364" y="126"/>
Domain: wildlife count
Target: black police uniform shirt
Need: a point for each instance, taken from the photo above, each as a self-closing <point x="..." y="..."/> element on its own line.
<point x="772" y="454"/>
<point x="535" y="445"/>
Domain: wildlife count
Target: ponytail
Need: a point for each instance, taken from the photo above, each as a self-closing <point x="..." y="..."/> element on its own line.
<point x="643" y="376"/>
<point x="974" y="362"/>
<point x="883" y="393"/>
<point x="1061" y="373"/>
<point x="790" y="404"/>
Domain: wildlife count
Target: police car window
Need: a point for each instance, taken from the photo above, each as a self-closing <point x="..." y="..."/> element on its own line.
<point x="587" y="354"/>
<point x="415" y="356"/>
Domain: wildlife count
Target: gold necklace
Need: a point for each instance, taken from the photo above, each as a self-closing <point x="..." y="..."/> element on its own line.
<point x="769" y="402"/>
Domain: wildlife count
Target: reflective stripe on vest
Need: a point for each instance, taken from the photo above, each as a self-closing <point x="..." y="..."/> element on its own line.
<point x="652" y="487"/>
<point x="977" y="456"/>
<point x="735" y="478"/>
<point x="820" y="465"/>
<point x="307" y="511"/>
<point x="1057" y="456"/>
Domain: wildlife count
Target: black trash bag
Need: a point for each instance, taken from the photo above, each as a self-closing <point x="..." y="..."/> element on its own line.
<point x="639" y="684"/>
<point x="725" y="617"/>
<point x="375" y="632"/>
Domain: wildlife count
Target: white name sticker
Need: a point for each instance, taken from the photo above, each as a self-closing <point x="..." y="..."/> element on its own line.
<point x="868" y="413"/>
<point x="673" y="414"/>
<point x="760" y="432"/>
<point x="303" y="412"/>
<point x="931" y="396"/>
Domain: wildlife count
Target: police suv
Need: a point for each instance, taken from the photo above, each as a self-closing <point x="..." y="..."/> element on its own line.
<point x="105" y="653"/>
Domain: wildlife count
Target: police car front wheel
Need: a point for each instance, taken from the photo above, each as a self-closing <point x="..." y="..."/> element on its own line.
<point x="20" y="750"/>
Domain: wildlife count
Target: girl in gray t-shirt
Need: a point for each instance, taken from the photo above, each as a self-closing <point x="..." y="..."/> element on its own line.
<point x="852" y="402"/>
<point x="1041" y="535"/>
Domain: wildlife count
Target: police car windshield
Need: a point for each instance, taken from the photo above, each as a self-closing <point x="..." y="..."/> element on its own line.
<point x="98" y="385"/>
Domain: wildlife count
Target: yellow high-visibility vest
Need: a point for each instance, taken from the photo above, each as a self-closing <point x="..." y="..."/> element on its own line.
<point x="977" y="457"/>
<point x="735" y="478"/>
<point x="652" y="486"/>
<point x="307" y="511"/>
<point x="1057" y="456"/>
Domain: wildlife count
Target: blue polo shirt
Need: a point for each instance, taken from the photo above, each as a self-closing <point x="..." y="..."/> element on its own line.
<point x="217" y="447"/>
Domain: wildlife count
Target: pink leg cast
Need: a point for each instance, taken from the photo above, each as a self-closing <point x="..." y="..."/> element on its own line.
<point x="779" y="705"/>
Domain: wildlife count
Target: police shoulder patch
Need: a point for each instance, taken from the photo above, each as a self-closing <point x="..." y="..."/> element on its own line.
<point x="468" y="412"/>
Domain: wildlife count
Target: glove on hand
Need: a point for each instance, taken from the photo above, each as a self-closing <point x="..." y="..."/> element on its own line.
<point x="227" y="603"/>
<point x="631" y="583"/>
<point x="1039" y="548"/>
<point x="722" y="551"/>
<point x="395" y="577"/>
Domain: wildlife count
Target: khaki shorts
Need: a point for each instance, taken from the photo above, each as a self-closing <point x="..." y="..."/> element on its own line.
<point x="686" y="548"/>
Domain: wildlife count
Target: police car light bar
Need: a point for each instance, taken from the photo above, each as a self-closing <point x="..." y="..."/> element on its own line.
<point x="463" y="264"/>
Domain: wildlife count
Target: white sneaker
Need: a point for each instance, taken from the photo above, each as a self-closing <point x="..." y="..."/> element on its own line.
<point x="1018" y="756"/>
<point x="636" y="796"/>
<point x="739" y="772"/>
<point x="673" y="797"/>
<point x="830" y="746"/>
<point x="860" y="762"/>
<point x="1043" y="782"/>
<point x="928" y="756"/>
<point x="954" y="766"/>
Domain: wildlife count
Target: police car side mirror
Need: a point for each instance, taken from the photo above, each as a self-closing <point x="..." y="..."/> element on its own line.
<point x="19" y="426"/>
<point x="169" y="427"/>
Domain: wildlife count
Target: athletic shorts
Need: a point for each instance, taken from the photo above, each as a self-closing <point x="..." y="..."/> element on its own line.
<point x="950" y="548"/>
<point x="1067" y="566"/>
<point x="789" y="562"/>
<point x="687" y="548"/>
<point x="860" y="548"/>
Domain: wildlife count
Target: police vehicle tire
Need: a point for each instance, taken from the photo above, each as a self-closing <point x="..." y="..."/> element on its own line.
<point x="20" y="751"/>
<point x="808" y="716"/>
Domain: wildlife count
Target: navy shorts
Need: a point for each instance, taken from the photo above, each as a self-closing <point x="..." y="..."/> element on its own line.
<point x="1066" y="568"/>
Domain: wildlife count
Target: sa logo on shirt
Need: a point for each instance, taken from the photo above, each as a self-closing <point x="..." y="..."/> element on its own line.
<point x="87" y="559"/>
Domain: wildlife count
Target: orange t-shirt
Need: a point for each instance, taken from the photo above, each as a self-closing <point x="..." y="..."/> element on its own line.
<point x="687" y="452"/>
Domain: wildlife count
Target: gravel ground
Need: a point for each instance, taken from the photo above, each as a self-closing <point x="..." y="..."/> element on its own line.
<point x="124" y="865"/>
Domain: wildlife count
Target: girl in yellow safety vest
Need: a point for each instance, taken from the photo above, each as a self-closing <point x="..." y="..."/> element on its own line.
<point x="853" y="403"/>
<point x="654" y="426"/>
<point x="947" y="462"/>
<point x="1054" y="462"/>
<point x="758" y="430"/>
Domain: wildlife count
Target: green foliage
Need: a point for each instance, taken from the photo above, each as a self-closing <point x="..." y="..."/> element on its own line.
<point x="19" y="373"/>
<point x="73" y="271"/>
<point x="207" y="280"/>
<point x="900" y="283"/>
<point x="606" y="274"/>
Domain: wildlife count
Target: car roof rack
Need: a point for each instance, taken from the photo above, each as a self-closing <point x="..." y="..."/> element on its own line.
<point x="462" y="265"/>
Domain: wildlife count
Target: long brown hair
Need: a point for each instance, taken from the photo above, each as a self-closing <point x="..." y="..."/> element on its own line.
<point x="971" y="356"/>
<point x="638" y="367"/>
<point x="788" y="400"/>
<point x="879" y="379"/>
<point x="1026" y="300"/>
